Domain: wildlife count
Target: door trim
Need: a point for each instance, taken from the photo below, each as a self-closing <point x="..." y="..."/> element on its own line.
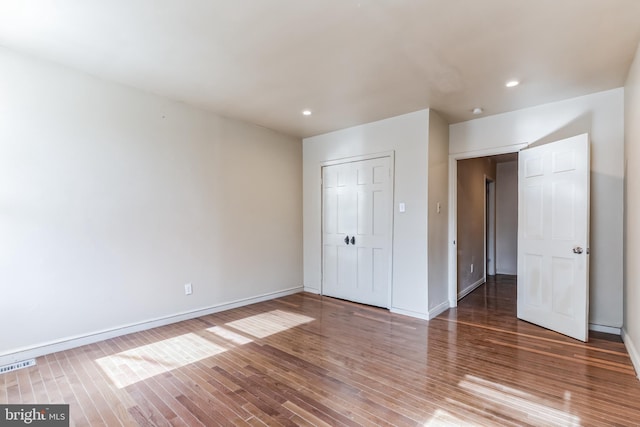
<point x="453" y="207"/>
<point x="343" y="160"/>
<point x="489" y="226"/>
<point x="350" y="159"/>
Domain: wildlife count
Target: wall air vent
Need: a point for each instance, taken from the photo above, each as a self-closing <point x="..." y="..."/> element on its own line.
<point x="17" y="365"/>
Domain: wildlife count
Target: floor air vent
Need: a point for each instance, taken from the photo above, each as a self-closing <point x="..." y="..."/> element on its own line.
<point x="18" y="365"/>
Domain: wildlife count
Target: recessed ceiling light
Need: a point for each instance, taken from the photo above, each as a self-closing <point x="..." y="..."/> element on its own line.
<point x="306" y="112"/>
<point x="477" y="110"/>
<point x="512" y="83"/>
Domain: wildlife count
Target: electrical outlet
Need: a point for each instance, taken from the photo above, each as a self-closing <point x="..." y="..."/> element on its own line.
<point x="472" y="268"/>
<point x="188" y="290"/>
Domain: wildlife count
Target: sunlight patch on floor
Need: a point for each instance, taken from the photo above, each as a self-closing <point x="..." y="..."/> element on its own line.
<point x="229" y="335"/>
<point x="444" y="419"/>
<point x="140" y="363"/>
<point x="508" y="400"/>
<point x="128" y="367"/>
<point x="265" y="324"/>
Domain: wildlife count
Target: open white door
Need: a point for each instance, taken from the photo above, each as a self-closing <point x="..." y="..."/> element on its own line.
<point x="553" y="236"/>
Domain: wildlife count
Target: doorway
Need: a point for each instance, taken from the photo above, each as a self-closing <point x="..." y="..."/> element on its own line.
<point x="479" y="182"/>
<point x="553" y="232"/>
<point x="471" y="261"/>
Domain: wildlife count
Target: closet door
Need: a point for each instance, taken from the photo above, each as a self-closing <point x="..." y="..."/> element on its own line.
<point x="357" y="231"/>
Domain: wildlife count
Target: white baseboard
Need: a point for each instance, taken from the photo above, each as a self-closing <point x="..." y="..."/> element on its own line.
<point x="470" y="289"/>
<point x="80" y="340"/>
<point x="634" y="352"/>
<point x="439" y="309"/>
<point x="312" y="290"/>
<point x="416" y="314"/>
<point x="605" y="329"/>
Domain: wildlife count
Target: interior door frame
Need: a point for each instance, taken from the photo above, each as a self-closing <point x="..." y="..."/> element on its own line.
<point x="343" y="160"/>
<point x="489" y="226"/>
<point x="453" y="208"/>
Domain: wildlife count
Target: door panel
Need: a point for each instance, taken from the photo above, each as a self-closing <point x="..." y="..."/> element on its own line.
<point x="553" y="279"/>
<point x="362" y="211"/>
<point x="347" y="270"/>
<point x="330" y="265"/>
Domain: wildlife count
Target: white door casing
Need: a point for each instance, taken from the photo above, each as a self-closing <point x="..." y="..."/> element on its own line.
<point x="553" y="236"/>
<point x="490" y="228"/>
<point x="356" y="230"/>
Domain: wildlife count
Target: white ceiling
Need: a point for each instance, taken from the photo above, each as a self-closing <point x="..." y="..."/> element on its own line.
<point x="350" y="61"/>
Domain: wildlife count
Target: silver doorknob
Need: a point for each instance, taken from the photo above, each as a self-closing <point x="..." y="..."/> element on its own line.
<point x="577" y="250"/>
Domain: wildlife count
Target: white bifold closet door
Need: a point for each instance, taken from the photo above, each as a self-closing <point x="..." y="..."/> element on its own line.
<point x="356" y="212"/>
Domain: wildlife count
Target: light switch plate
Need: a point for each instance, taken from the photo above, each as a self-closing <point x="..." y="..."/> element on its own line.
<point x="401" y="207"/>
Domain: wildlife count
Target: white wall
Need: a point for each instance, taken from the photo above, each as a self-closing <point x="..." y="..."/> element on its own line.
<point x="438" y="187"/>
<point x="407" y="135"/>
<point x="507" y="218"/>
<point x="600" y="114"/>
<point x="631" y="331"/>
<point x="111" y="199"/>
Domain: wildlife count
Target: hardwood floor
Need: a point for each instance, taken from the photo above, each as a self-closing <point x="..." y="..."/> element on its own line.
<point x="308" y="360"/>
